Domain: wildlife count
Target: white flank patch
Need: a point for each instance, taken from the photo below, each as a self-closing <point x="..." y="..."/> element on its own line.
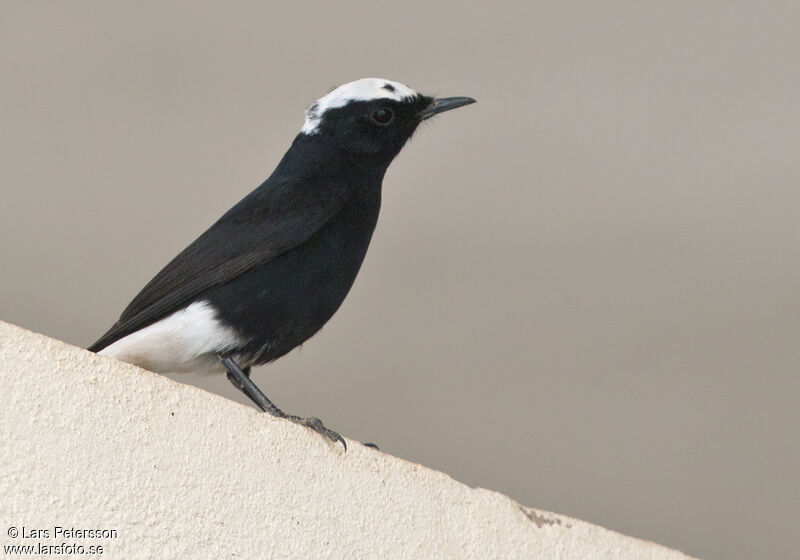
<point x="185" y="341"/>
<point x="365" y="89"/>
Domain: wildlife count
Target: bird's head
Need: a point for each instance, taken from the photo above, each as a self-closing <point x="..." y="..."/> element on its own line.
<point x="373" y="116"/>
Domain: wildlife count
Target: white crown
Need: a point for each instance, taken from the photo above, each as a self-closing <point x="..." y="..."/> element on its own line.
<point x="364" y="89"/>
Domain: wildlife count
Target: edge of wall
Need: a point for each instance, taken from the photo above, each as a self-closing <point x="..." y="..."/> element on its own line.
<point x="90" y="443"/>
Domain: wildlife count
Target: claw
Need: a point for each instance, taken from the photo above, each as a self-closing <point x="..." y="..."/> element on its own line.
<point x="241" y="379"/>
<point x="317" y="425"/>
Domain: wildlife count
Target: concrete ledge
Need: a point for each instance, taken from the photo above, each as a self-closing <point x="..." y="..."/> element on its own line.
<point x="91" y="443"/>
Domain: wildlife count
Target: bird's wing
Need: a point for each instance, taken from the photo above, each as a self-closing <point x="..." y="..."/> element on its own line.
<point x="273" y="219"/>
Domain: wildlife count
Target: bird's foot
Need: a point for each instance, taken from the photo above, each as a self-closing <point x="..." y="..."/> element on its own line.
<point x="317" y="425"/>
<point x="241" y="379"/>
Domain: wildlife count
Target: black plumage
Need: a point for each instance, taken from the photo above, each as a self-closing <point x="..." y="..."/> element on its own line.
<point x="278" y="265"/>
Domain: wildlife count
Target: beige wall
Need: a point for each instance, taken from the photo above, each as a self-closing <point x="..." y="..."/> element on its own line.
<point x="583" y="290"/>
<point x="175" y="472"/>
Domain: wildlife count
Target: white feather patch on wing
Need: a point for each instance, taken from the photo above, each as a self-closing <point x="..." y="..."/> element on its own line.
<point x="184" y="341"/>
<point x="365" y="89"/>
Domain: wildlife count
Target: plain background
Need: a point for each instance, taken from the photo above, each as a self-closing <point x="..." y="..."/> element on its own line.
<point x="584" y="291"/>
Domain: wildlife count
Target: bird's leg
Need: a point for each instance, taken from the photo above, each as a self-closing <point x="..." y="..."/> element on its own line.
<point x="242" y="381"/>
<point x="233" y="380"/>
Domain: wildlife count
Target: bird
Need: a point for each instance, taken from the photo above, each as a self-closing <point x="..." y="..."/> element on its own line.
<point x="268" y="274"/>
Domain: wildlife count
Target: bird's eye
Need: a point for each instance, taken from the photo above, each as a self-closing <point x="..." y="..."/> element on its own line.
<point x="382" y="116"/>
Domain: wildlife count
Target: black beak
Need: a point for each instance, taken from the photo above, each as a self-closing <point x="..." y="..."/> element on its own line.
<point x="442" y="104"/>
